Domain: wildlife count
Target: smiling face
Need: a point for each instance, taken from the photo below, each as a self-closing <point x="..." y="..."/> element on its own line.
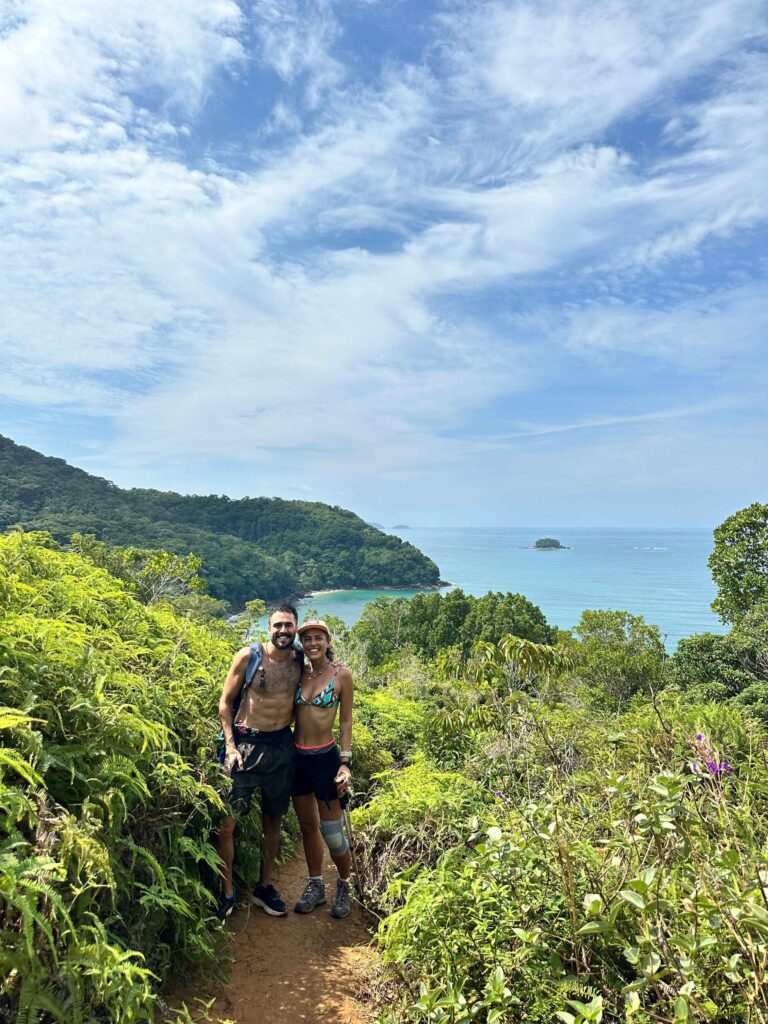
<point x="315" y="643"/>
<point x="282" y="629"/>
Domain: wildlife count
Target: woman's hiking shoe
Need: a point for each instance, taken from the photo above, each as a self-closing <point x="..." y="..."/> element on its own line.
<point x="313" y="896"/>
<point x="225" y="907"/>
<point x="266" y="897"/>
<point x="343" y="902"/>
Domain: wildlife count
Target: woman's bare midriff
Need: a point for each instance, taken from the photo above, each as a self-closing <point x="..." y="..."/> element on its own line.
<point x="314" y="725"/>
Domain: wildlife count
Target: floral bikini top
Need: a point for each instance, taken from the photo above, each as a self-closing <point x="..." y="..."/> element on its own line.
<point x="327" y="698"/>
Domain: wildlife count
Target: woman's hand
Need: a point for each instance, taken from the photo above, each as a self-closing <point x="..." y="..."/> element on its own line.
<point x="343" y="779"/>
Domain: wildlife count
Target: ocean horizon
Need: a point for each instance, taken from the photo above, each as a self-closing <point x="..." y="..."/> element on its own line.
<point x="658" y="572"/>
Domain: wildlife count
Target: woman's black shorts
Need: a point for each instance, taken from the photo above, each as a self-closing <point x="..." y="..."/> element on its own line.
<point x="315" y="772"/>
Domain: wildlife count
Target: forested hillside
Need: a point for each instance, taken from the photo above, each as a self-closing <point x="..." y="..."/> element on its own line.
<point x="250" y="548"/>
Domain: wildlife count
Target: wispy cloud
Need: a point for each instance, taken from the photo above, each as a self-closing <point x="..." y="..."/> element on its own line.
<point x="686" y="412"/>
<point x="296" y="39"/>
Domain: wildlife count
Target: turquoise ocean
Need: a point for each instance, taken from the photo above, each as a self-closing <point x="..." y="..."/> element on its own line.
<point x="658" y="573"/>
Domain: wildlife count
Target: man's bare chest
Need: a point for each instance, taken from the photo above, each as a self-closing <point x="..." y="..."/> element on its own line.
<point x="278" y="678"/>
<point x="268" y="702"/>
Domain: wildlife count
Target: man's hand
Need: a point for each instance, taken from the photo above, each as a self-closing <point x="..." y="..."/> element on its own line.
<point x="343" y="779"/>
<point x="233" y="759"/>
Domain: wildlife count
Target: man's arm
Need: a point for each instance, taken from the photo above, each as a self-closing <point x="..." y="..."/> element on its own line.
<point x="232" y="686"/>
<point x="344" y="774"/>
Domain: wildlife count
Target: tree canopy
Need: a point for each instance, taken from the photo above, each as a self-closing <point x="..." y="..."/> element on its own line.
<point x="739" y="562"/>
<point x="430" y="623"/>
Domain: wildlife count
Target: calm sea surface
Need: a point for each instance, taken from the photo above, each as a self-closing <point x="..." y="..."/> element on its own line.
<point x="658" y="573"/>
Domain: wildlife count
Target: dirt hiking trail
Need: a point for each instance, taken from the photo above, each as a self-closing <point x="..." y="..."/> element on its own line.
<point x="299" y="969"/>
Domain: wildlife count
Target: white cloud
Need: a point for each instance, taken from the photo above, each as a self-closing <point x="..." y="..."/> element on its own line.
<point x="76" y="69"/>
<point x="560" y="73"/>
<point x="708" y="330"/>
<point x="296" y="39"/>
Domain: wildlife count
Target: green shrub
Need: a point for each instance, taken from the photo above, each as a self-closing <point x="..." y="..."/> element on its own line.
<point x="370" y="759"/>
<point x="416" y="813"/>
<point x="707" y="658"/>
<point x="396" y="722"/>
<point x="621" y="884"/>
<point x="604" y="866"/>
<point x="108" y="789"/>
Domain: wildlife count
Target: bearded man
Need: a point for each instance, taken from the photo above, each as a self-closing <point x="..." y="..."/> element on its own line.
<point x="259" y="751"/>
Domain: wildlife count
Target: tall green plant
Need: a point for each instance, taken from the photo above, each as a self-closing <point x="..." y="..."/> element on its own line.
<point x="108" y="790"/>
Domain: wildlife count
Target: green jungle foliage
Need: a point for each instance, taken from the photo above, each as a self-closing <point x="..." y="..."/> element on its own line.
<point x="731" y="668"/>
<point x="430" y="623"/>
<point x="108" y="788"/>
<point x="617" y="654"/>
<point x="254" y="547"/>
<point x="545" y="857"/>
<point x="734" y="667"/>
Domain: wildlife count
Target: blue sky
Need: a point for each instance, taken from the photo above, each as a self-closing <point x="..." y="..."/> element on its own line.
<point x="440" y="263"/>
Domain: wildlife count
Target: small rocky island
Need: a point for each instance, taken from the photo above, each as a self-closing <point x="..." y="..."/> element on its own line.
<point x="549" y="544"/>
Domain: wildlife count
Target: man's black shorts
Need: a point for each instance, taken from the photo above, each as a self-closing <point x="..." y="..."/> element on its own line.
<point x="315" y="772"/>
<point x="268" y="763"/>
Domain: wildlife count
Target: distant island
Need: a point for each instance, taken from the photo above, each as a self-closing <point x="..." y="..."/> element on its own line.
<point x="250" y="547"/>
<point x="400" y="526"/>
<point x="549" y="544"/>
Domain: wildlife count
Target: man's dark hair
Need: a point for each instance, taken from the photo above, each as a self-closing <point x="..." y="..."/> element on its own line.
<point x="282" y="606"/>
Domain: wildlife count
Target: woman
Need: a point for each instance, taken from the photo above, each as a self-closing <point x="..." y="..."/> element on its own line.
<point x="323" y="773"/>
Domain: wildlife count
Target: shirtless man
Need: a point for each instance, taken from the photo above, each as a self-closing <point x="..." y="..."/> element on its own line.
<point x="259" y="752"/>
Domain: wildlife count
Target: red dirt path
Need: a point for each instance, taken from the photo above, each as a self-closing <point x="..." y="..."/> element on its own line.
<point x="299" y="969"/>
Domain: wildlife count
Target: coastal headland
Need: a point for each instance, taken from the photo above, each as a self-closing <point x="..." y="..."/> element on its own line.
<point x="248" y="548"/>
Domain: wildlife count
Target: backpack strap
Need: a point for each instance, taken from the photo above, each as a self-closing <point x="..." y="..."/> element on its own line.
<point x="254" y="660"/>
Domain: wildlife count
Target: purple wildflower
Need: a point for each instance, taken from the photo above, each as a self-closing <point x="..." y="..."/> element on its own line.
<point x="699" y="735"/>
<point x="713" y="767"/>
<point x="725" y="767"/>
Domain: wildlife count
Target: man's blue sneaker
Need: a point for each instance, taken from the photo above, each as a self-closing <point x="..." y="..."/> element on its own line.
<point x="225" y="907"/>
<point x="267" y="898"/>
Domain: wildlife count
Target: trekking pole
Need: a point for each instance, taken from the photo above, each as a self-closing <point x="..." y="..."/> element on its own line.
<point x="358" y="877"/>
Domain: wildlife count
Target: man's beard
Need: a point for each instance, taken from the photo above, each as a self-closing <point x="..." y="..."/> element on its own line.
<point x="282" y="642"/>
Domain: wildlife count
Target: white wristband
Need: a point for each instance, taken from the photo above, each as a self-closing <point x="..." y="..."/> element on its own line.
<point x="345" y="753"/>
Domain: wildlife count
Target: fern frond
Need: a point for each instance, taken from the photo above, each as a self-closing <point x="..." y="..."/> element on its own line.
<point x="12" y="759"/>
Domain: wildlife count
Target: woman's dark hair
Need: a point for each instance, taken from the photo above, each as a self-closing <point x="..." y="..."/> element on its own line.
<point x="282" y="606"/>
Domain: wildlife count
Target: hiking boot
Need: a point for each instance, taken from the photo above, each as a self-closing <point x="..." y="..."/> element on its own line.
<point x="225" y="907"/>
<point x="266" y="897"/>
<point x="313" y="896"/>
<point x="343" y="902"/>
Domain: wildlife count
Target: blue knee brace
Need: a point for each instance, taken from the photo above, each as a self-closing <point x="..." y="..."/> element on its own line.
<point x="333" y="834"/>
